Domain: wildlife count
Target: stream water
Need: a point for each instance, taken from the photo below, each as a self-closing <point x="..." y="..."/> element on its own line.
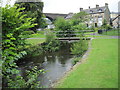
<point x="55" y="65"/>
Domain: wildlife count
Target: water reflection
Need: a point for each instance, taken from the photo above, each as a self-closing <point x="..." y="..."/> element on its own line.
<point x="55" y="64"/>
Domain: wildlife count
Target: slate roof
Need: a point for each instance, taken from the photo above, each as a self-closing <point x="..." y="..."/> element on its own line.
<point x="95" y="10"/>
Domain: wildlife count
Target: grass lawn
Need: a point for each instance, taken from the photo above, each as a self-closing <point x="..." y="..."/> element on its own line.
<point x="111" y="33"/>
<point x="99" y="70"/>
<point x="37" y="35"/>
<point x="35" y="41"/>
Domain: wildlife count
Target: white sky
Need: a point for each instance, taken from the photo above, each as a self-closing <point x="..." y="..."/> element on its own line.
<point x="67" y="6"/>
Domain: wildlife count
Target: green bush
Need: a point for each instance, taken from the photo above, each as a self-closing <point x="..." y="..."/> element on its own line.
<point x="63" y="28"/>
<point x="28" y="32"/>
<point x="40" y="32"/>
<point x="75" y="60"/>
<point x="79" y="48"/>
<point x="96" y="29"/>
<point x="49" y="36"/>
<point x="14" y="24"/>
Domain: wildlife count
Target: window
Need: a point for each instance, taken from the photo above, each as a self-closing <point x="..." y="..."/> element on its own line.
<point x="91" y="11"/>
<point x="100" y="10"/>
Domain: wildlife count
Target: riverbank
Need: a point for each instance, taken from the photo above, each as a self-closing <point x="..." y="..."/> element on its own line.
<point x="100" y="69"/>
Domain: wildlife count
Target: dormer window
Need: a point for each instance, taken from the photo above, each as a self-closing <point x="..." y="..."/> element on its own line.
<point x="91" y="11"/>
<point x="100" y="10"/>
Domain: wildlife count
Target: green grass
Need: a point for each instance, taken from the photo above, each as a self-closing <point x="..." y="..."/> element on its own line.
<point x="37" y="35"/>
<point x="35" y="41"/>
<point x="100" y="70"/>
<point x="111" y="33"/>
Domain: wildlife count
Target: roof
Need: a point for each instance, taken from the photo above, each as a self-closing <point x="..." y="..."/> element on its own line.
<point x="95" y="10"/>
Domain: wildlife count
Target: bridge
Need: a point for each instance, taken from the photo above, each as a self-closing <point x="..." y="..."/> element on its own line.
<point x="73" y="38"/>
<point x="53" y="16"/>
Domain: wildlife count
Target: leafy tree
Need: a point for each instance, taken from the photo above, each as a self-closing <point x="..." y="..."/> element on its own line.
<point x="79" y="48"/>
<point x="105" y="25"/>
<point x="14" y="23"/>
<point x="34" y="10"/>
<point x="81" y="17"/>
<point x="63" y="27"/>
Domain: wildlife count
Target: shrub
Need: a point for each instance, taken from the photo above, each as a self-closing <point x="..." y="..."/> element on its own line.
<point x="40" y="32"/>
<point x="14" y="23"/>
<point x="79" y="48"/>
<point x="28" y="32"/>
<point x="63" y="28"/>
<point x="96" y="29"/>
<point x="75" y="60"/>
<point x="49" y="36"/>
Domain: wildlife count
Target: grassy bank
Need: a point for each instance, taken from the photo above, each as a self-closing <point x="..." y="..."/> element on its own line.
<point x="34" y="40"/>
<point x="100" y="70"/>
<point x="112" y="33"/>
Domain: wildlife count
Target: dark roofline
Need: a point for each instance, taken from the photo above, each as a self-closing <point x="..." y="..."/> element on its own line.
<point x="93" y="8"/>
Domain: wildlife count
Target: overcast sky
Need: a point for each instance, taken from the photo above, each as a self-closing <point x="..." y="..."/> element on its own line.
<point x="67" y="6"/>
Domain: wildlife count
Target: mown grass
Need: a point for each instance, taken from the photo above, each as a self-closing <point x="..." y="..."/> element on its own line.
<point x="100" y="70"/>
<point x="35" y="41"/>
<point x="37" y="35"/>
<point x="112" y="33"/>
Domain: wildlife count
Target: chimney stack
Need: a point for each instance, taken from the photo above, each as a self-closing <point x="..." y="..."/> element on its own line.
<point x="106" y="4"/>
<point x="81" y="9"/>
<point x="97" y="6"/>
<point x="89" y="7"/>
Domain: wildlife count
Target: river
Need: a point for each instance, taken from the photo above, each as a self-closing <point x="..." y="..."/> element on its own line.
<point x="55" y="65"/>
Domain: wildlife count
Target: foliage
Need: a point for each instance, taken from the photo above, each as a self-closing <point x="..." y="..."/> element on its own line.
<point x="63" y="28"/>
<point x="66" y="28"/>
<point x="13" y="41"/>
<point x="51" y="43"/>
<point x="81" y="16"/>
<point x="96" y="29"/>
<point x="79" y="48"/>
<point x="75" y="60"/>
<point x="31" y="82"/>
<point x="105" y="25"/>
<point x="27" y="34"/>
<point x="40" y="32"/>
<point x="49" y="36"/>
<point x="34" y="10"/>
<point x="80" y="26"/>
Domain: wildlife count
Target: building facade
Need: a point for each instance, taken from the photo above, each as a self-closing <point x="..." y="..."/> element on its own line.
<point x="97" y="15"/>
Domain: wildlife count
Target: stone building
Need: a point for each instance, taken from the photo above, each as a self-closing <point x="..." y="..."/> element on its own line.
<point x="97" y="15"/>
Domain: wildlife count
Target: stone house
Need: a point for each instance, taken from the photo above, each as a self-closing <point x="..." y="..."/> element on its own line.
<point x="97" y="15"/>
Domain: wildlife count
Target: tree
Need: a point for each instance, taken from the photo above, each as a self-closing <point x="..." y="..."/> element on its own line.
<point x="81" y="16"/>
<point x="34" y="10"/>
<point x="63" y="27"/>
<point x="14" y="23"/>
